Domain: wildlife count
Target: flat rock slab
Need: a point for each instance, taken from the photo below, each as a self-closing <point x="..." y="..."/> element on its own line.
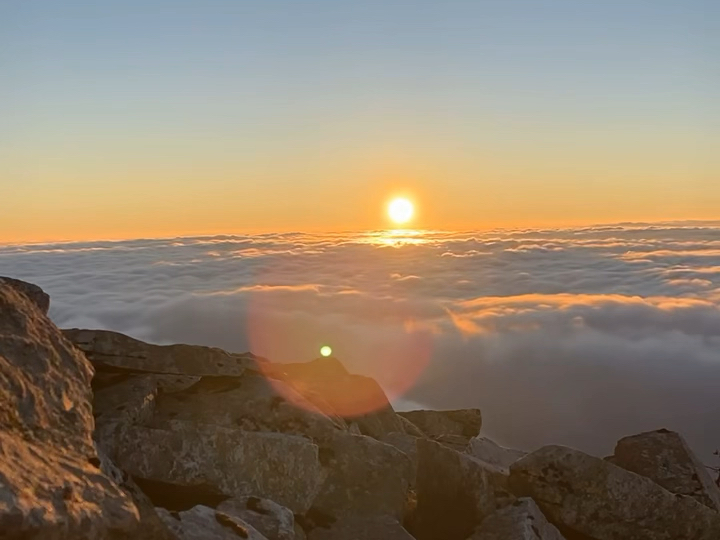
<point x="665" y="457"/>
<point x="455" y="492"/>
<point x="593" y="497"/>
<point x="521" y="520"/>
<point x="251" y="402"/>
<point x="370" y="528"/>
<point x="204" y="523"/>
<point x="106" y="349"/>
<point x="465" y="422"/>
<point x="51" y="487"/>
<point x="283" y="468"/>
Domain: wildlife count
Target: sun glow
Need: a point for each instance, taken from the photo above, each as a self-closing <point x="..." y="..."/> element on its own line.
<point x="400" y="210"/>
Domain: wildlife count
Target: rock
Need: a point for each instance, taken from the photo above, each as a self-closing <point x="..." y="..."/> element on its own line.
<point x="365" y="477"/>
<point x="407" y="444"/>
<point x="465" y="422"/>
<point x="204" y="523"/>
<point x="358" y="528"/>
<point x="31" y="291"/>
<point x="153" y="527"/>
<point x="326" y="383"/>
<point x="299" y="532"/>
<point x="236" y="463"/>
<point x="272" y="520"/>
<point x="455" y="492"/>
<point x="109" y="350"/>
<point x="250" y="402"/>
<point x="51" y="487"/>
<point x="459" y="443"/>
<point x="491" y="452"/>
<point x="131" y="400"/>
<point x="521" y="520"/>
<point x="664" y="457"/>
<point x="590" y="496"/>
<point x="410" y="428"/>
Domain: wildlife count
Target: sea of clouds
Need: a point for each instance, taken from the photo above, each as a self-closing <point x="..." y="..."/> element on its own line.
<point x="571" y="336"/>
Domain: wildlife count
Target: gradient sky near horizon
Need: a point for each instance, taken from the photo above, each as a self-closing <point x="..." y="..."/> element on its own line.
<point x="158" y="118"/>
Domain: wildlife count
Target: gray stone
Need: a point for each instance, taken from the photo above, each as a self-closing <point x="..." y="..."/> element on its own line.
<point x="590" y="496"/>
<point x="491" y="452"/>
<point x="455" y="492"/>
<point x="365" y="477"/>
<point x="131" y="400"/>
<point x="362" y="528"/>
<point x="459" y="443"/>
<point x="274" y="521"/>
<point x="410" y="428"/>
<point x="107" y="350"/>
<point x="251" y="402"/>
<point x="153" y="527"/>
<point x="665" y="457"/>
<point x="284" y="468"/>
<point x="407" y="444"/>
<point x="204" y="523"/>
<point x="465" y="422"/>
<point x="326" y="383"/>
<point x="50" y="485"/>
<point x="299" y="532"/>
<point x="521" y="520"/>
<point x="31" y="291"/>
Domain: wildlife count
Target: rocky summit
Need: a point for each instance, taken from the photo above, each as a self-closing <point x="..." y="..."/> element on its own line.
<point x="103" y="436"/>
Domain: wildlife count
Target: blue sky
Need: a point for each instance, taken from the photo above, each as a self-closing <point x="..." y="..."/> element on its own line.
<point x="552" y="97"/>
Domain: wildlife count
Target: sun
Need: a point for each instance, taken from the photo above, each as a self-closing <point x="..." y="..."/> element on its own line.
<point x="400" y="210"/>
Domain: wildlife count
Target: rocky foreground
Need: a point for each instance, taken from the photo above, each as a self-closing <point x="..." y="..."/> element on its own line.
<point x="106" y="437"/>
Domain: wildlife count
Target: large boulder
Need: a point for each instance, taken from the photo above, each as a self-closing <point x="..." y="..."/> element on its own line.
<point x="362" y="528"/>
<point x="236" y="463"/>
<point x="464" y="422"/>
<point x="326" y="383"/>
<point x="108" y="350"/>
<point x="491" y="452"/>
<point x="51" y="487"/>
<point x="365" y="477"/>
<point x="665" y="457"/>
<point x="204" y="523"/>
<point x="407" y="444"/>
<point x="455" y="492"/>
<point x="521" y="520"/>
<point x="585" y="495"/>
<point x="251" y="402"/>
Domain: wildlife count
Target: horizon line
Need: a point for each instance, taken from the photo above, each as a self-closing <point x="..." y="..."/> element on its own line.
<point x="678" y="222"/>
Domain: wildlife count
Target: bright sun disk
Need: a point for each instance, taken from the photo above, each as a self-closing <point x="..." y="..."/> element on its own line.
<point x="400" y="210"/>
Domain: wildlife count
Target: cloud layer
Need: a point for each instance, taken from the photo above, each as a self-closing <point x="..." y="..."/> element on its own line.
<point x="572" y="336"/>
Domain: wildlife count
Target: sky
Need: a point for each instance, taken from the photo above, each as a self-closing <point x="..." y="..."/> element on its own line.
<point x="575" y="336"/>
<point x="127" y="119"/>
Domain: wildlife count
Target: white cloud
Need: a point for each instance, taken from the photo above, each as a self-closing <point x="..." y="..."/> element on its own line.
<point x="574" y="336"/>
